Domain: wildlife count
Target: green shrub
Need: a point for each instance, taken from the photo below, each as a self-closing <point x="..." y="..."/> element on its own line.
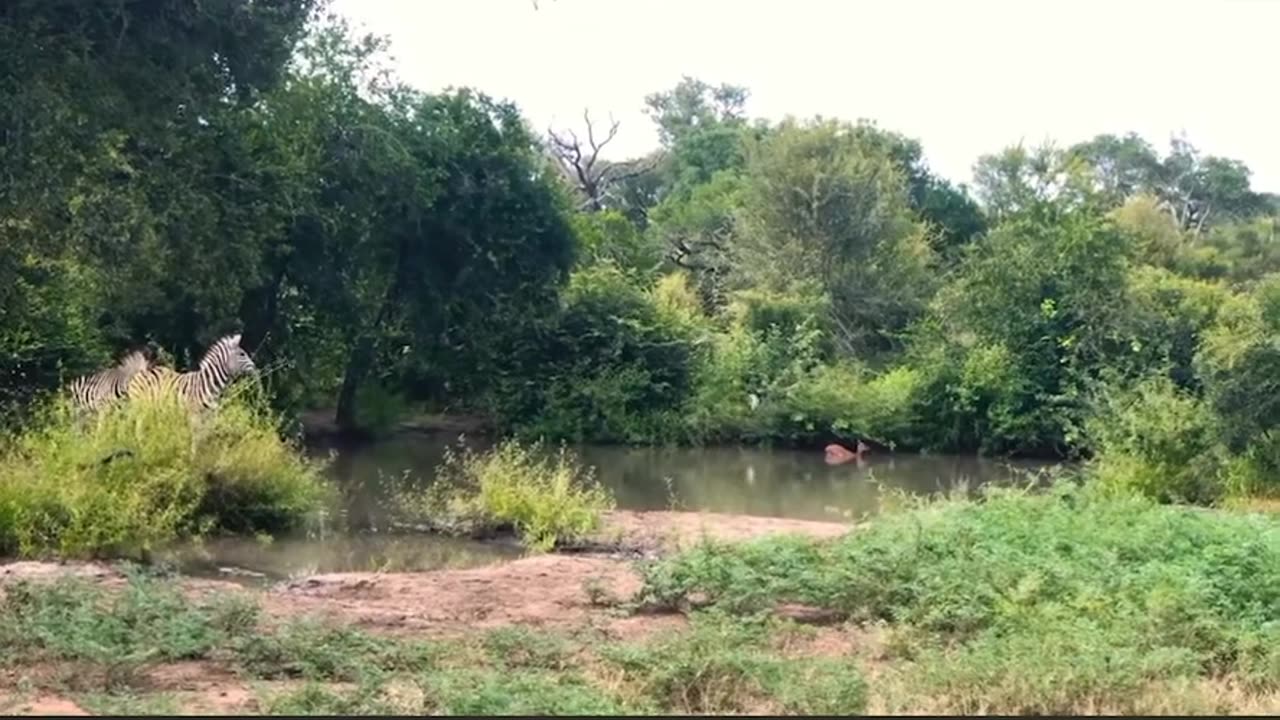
<point x="143" y="474"/>
<point x="378" y="408"/>
<point x="1157" y="440"/>
<point x="615" y="363"/>
<point x="479" y="693"/>
<point x="1055" y="664"/>
<point x="846" y="401"/>
<point x="1028" y="602"/>
<point x="546" y="499"/>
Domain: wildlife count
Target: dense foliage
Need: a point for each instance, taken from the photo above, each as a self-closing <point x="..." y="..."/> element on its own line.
<point x="173" y="171"/>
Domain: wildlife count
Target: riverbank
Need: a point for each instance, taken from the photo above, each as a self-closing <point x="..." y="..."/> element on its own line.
<point x="1020" y="603"/>
<point x="575" y="594"/>
<point x="319" y="425"/>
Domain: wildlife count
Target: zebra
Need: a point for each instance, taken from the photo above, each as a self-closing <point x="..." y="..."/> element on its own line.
<point x="223" y="362"/>
<point x="90" y="392"/>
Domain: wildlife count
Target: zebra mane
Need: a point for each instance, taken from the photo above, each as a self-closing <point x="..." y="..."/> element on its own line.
<point x="223" y="344"/>
<point x="135" y="361"/>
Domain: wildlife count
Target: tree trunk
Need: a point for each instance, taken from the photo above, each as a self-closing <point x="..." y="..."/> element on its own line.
<point x="358" y="364"/>
<point x="360" y="361"/>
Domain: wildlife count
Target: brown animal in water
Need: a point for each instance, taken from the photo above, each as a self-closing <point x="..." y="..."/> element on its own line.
<point x="837" y="454"/>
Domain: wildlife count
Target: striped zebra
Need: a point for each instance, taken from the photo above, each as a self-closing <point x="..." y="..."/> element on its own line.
<point x="223" y="362"/>
<point x="90" y="392"/>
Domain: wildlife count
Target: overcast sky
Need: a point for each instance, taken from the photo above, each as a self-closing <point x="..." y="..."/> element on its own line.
<point x="965" y="77"/>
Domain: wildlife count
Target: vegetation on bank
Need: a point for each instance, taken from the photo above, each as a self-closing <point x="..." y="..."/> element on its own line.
<point x="145" y="473"/>
<point x="1080" y="600"/>
<point x="545" y="499"/>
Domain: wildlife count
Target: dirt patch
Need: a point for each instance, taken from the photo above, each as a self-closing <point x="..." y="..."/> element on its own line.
<point x="40" y="705"/>
<point x="661" y="531"/>
<point x="554" y="590"/>
<point x="539" y="591"/>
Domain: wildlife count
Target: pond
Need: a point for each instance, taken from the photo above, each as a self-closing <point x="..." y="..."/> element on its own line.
<point x="785" y="483"/>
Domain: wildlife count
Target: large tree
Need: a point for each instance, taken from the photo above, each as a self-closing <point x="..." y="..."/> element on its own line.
<point x="122" y="172"/>
<point x="823" y="207"/>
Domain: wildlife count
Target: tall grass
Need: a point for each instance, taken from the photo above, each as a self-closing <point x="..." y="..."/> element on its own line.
<point x="145" y="473"/>
<point x="545" y="498"/>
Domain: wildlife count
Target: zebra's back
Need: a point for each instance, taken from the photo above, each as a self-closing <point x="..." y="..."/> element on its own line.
<point x="154" y="384"/>
<point x="163" y="383"/>
<point x="89" y="392"/>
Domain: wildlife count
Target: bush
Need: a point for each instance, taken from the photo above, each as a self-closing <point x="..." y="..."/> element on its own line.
<point x="143" y="474"/>
<point x="844" y="400"/>
<point x="1159" y="440"/>
<point x="545" y="500"/>
<point x="616" y="365"/>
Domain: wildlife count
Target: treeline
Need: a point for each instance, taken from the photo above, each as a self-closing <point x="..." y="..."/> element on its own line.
<point x="172" y="172"/>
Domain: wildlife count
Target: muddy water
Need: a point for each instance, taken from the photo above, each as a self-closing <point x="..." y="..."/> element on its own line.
<point x="769" y="482"/>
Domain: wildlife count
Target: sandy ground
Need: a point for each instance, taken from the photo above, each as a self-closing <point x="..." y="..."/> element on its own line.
<point x="559" y="590"/>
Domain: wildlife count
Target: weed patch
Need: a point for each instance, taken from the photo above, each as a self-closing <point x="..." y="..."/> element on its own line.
<point x="546" y="500"/>
<point x="1016" y="602"/>
<point x="725" y="665"/>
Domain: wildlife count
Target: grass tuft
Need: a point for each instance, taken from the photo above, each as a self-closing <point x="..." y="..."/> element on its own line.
<point x="546" y="499"/>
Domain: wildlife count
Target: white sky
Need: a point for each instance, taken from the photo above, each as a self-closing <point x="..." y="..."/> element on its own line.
<point x="965" y="77"/>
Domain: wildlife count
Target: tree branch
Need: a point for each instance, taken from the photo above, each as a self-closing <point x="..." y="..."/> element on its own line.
<point x="580" y="163"/>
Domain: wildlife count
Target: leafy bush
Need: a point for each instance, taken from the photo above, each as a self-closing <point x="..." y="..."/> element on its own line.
<point x="379" y="408"/>
<point x="616" y="365"/>
<point x="546" y="499"/>
<point x="844" y="400"/>
<point x="1033" y="316"/>
<point x="1159" y="440"/>
<point x="144" y="473"/>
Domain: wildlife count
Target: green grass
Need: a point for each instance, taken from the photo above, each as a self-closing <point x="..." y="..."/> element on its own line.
<point x="144" y="474"/>
<point x="722" y="664"/>
<point x="546" y="499"/>
<point x="107" y="640"/>
<point x="1020" y="602"/>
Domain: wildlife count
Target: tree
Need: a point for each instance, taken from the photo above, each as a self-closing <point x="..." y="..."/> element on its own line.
<point x="1043" y="182"/>
<point x="582" y="165"/>
<point x="118" y="158"/>
<point x="1191" y="188"/>
<point x="1122" y="166"/>
<point x="1035" y="314"/>
<point x="954" y="215"/>
<point x="823" y="207"/>
<point x="1195" y="188"/>
<point x="694" y="105"/>
<point x="697" y="230"/>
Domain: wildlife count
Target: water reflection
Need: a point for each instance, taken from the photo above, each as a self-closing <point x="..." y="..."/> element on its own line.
<point x="769" y="482"/>
<point x="779" y="483"/>
<point x="754" y="481"/>
<point x="252" y="561"/>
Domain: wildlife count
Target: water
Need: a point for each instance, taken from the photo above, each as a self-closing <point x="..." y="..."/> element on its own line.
<point x="769" y="482"/>
<point x="251" y="561"/>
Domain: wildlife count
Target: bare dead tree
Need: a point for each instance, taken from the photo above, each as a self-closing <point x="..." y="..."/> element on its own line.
<point x="583" y="167"/>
